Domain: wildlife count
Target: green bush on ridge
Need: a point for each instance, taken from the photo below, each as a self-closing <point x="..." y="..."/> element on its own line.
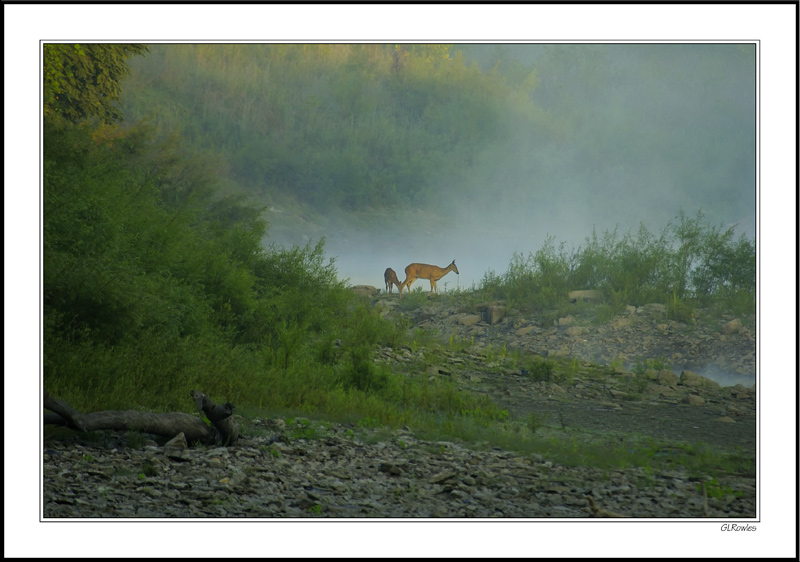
<point x="689" y="264"/>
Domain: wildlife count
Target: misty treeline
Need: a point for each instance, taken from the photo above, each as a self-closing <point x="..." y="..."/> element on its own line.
<point x="355" y="126"/>
<point x="156" y="282"/>
<point x="690" y="263"/>
<point x="339" y="125"/>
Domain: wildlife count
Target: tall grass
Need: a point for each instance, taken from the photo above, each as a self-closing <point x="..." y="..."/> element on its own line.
<point x="689" y="264"/>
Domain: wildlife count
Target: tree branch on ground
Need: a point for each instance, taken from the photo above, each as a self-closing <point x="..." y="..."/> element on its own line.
<point x="167" y="424"/>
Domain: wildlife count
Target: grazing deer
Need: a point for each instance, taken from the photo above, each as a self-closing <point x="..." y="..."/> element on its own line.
<point x="390" y="278"/>
<point x="416" y="271"/>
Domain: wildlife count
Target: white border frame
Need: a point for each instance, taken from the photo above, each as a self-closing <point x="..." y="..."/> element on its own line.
<point x="773" y="25"/>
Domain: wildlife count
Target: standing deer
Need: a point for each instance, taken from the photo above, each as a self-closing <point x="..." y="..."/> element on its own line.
<point x="390" y="278"/>
<point x="416" y="271"/>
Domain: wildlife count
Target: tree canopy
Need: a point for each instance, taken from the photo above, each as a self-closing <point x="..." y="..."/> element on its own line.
<point x="84" y="81"/>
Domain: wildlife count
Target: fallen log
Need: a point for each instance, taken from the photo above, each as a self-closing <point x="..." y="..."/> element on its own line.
<point x="168" y="424"/>
<point x="219" y="415"/>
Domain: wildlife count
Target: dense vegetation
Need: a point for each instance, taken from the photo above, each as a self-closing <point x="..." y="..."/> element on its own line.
<point x="155" y="284"/>
<point x="358" y="126"/>
<point x="342" y="125"/>
<point x="689" y="264"/>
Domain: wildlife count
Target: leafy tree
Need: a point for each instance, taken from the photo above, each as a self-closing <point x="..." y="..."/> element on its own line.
<point x="349" y="126"/>
<point x="84" y="81"/>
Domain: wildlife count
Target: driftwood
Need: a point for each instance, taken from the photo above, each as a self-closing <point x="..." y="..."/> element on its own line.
<point x="220" y="415"/>
<point x="167" y="424"/>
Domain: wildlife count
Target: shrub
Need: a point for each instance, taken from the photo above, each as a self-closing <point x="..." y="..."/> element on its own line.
<point x="688" y="264"/>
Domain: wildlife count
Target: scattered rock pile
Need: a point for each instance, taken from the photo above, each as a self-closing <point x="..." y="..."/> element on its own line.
<point x="726" y="348"/>
<point x="342" y="474"/>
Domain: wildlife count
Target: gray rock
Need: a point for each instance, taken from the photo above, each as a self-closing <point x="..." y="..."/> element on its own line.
<point x="365" y="290"/>
<point x="586" y="295"/>
<point x="667" y="377"/>
<point x="693" y="380"/>
<point x="178" y="442"/>
<point x="469" y="319"/>
<point x="732" y="327"/>
<point x="694" y="400"/>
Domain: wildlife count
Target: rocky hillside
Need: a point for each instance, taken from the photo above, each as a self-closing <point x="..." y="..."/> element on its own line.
<point x="626" y="383"/>
<point x="338" y="471"/>
<point x="719" y="348"/>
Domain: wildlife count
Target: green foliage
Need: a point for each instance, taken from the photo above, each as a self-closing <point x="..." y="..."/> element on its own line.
<point x="347" y="125"/>
<point x="689" y="264"/>
<point x="315" y="509"/>
<point x="643" y="365"/>
<point x="534" y="422"/>
<point x="414" y="299"/>
<point x="540" y="370"/>
<point x="155" y="284"/>
<point x="84" y="81"/>
<point x="714" y="489"/>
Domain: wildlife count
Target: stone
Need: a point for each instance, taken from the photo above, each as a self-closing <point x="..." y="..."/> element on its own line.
<point x="386" y="306"/>
<point x="666" y="391"/>
<point x="732" y="327"/>
<point x="693" y="380"/>
<point x="576" y="331"/>
<point x="365" y="290"/>
<point x="667" y="377"/>
<point x="618" y="323"/>
<point x="566" y="320"/>
<point x="469" y="320"/>
<point x="177" y="442"/>
<point x="740" y="392"/>
<point x="442" y="476"/>
<point x="653" y="307"/>
<point x="426" y="313"/>
<point x="389" y="468"/>
<point x="585" y="295"/>
<point x="694" y="400"/>
<point x="437" y="370"/>
<point x="494" y="314"/>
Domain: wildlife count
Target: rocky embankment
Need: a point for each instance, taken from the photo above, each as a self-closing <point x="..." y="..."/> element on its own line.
<point x="306" y="468"/>
<point x="723" y="348"/>
<point x="343" y="473"/>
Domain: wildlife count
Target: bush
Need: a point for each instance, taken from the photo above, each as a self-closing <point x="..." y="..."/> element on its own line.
<point x="689" y="264"/>
<point x="539" y="370"/>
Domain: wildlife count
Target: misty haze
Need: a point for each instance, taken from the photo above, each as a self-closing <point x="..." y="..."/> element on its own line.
<point x="566" y="138"/>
